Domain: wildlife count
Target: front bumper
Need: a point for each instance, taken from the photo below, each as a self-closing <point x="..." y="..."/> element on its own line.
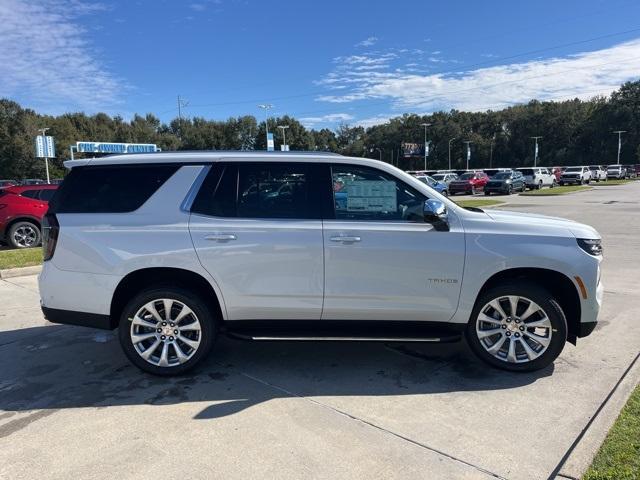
<point x="460" y="188"/>
<point x="504" y="188"/>
<point x="570" y="180"/>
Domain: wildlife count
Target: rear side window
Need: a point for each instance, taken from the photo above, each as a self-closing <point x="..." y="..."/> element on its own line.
<point x="262" y="190"/>
<point x="109" y="188"/>
<point x="47" y="195"/>
<point x="30" y="193"/>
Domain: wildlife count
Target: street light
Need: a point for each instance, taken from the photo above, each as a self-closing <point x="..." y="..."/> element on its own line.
<point x="468" y="142"/>
<point x="266" y="107"/>
<point x="535" y="153"/>
<point x="379" y="151"/>
<point x="450" y="140"/>
<point x="284" y="137"/>
<point x="619" y="132"/>
<point x="43" y="131"/>
<point x="425" y="125"/>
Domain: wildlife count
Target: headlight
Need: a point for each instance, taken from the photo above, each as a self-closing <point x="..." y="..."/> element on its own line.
<point x="507" y="181"/>
<point x="591" y="246"/>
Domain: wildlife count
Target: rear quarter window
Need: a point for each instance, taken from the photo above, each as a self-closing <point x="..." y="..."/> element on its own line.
<point x="109" y="188"/>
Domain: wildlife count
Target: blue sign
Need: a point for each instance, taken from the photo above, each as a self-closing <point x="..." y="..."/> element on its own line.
<point x="45" y="147"/>
<point x="99" y="147"/>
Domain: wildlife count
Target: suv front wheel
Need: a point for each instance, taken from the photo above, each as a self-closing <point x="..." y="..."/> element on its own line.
<point x="518" y="327"/>
<point x="166" y="331"/>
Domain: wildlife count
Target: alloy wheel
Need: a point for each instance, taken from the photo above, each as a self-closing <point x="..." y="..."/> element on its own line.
<point x="165" y="332"/>
<point x="514" y="329"/>
<point x="25" y="236"/>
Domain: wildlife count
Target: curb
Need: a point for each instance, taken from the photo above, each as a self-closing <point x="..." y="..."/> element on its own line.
<point x="20" y="272"/>
<point x="579" y="459"/>
<point x="525" y="194"/>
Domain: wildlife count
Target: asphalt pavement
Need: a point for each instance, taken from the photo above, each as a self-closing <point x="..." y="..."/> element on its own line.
<point x="71" y="406"/>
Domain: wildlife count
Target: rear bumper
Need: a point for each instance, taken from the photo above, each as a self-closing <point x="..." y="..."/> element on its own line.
<point x="83" y="319"/>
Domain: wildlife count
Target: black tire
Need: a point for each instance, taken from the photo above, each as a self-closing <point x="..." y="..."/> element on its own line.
<point x="24" y="234"/>
<point x="487" y="193"/>
<point x="445" y="193"/>
<point x="539" y="186"/>
<point x="538" y="295"/>
<point x="203" y="313"/>
<point x="510" y="190"/>
<point x="562" y="184"/>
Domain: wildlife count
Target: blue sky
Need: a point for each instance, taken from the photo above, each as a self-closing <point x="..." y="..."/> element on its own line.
<point x="324" y="62"/>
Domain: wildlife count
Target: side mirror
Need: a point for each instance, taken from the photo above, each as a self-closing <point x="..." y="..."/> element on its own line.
<point x="435" y="213"/>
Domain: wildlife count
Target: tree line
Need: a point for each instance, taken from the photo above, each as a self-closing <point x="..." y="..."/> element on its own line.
<point x="573" y="132"/>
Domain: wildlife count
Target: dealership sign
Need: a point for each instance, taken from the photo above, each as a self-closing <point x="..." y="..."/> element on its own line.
<point x="100" y="147"/>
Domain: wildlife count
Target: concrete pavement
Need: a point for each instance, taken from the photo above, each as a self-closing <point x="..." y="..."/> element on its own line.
<point x="72" y="406"/>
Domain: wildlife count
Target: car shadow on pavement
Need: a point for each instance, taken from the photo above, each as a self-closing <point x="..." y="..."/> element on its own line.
<point x="60" y="367"/>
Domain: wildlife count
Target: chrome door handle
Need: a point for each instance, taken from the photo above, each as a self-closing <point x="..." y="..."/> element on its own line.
<point x="221" y="237"/>
<point x="345" y="239"/>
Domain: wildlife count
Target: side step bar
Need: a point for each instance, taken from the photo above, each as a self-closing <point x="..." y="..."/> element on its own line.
<point x="309" y="337"/>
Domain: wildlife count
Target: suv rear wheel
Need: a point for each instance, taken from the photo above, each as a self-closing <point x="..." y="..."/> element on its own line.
<point x="166" y="331"/>
<point x="24" y="235"/>
<point x="517" y="326"/>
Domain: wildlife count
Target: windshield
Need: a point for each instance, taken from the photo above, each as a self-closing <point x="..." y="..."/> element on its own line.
<point x="502" y="175"/>
<point x="526" y="171"/>
<point x="439" y="177"/>
<point x="613" y="168"/>
<point x="467" y="176"/>
<point x="573" y="169"/>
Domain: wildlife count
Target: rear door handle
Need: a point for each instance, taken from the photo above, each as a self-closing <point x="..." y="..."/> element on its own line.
<point x="221" y="237"/>
<point x="345" y="239"/>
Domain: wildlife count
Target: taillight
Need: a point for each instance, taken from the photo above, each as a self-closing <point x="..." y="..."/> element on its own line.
<point x="50" y="230"/>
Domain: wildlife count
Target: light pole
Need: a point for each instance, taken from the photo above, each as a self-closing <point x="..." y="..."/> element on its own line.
<point x="266" y="107"/>
<point x="493" y="139"/>
<point x="468" y="142"/>
<point x="284" y="137"/>
<point x="379" y="151"/>
<point x="450" y="140"/>
<point x="535" y="153"/>
<point x="619" y="132"/>
<point x="43" y="131"/>
<point x="426" y="145"/>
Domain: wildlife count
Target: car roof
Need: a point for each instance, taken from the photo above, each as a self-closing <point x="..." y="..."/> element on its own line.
<point x="202" y="157"/>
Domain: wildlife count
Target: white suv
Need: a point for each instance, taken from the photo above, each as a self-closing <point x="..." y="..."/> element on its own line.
<point x="538" y="177"/>
<point x="578" y="175"/>
<point x="178" y="248"/>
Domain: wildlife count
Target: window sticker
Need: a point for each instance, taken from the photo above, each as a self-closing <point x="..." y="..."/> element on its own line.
<point x="371" y="196"/>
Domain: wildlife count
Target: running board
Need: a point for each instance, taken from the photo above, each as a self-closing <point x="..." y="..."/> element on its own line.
<point x="337" y="338"/>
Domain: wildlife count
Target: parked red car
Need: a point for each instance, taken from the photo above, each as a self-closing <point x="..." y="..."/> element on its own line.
<point x="21" y="212"/>
<point x="470" y="182"/>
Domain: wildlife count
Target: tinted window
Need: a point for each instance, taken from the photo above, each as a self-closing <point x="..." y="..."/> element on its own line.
<point x="502" y="175"/>
<point x="109" y="188"/>
<point x="47" y="195"/>
<point x="363" y="193"/>
<point x="467" y="176"/>
<point x="279" y="190"/>
<point x="30" y="193"/>
<point x="217" y="196"/>
<point x="262" y="190"/>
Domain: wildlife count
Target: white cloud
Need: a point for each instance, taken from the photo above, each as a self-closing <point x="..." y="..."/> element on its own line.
<point x="310" y="122"/>
<point x="367" y="42"/>
<point x="45" y="60"/>
<point x="581" y="75"/>
<point x="372" y="121"/>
